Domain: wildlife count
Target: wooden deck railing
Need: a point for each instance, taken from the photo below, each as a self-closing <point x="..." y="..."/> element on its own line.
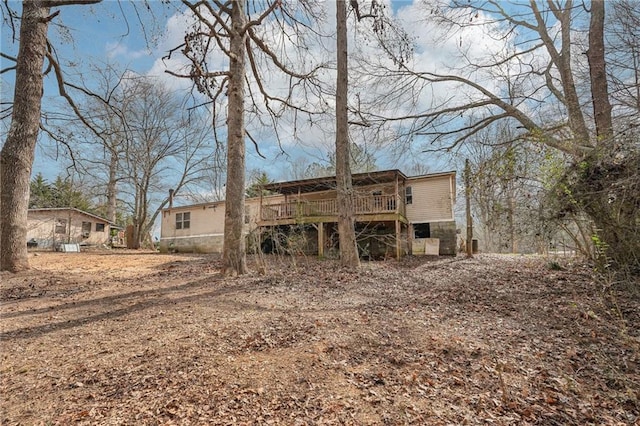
<point x="374" y="204"/>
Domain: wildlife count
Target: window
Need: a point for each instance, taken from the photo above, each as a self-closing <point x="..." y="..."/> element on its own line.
<point x="99" y="227"/>
<point x="421" y="230"/>
<point x="86" y="229"/>
<point x="408" y="195"/>
<point x="183" y="220"/>
<point x="61" y="226"/>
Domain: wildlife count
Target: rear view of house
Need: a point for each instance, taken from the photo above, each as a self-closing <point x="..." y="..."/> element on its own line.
<point x="48" y="228"/>
<point x="395" y="215"/>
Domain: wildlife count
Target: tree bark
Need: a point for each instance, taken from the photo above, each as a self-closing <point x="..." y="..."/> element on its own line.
<point x="467" y="195"/>
<point x="344" y="186"/>
<point x="564" y="64"/>
<point x="16" y="158"/>
<point x="234" y="257"/>
<point x="598" y="74"/>
<point x="112" y="187"/>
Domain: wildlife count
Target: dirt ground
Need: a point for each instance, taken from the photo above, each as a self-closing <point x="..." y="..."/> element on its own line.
<point x="133" y="338"/>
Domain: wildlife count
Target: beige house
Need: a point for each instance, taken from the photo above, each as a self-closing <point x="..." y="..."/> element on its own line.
<point x="395" y="215"/>
<point x="48" y="228"/>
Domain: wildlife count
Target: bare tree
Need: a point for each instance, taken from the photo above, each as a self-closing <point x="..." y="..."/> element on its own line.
<point x="165" y="148"/>
<point x="344" y="186"/>
<point x="623" y="59"/>
<point x="361" y="161"/>
<point x="143" y="141"/>
<point x="98" y="152"/>
<point x="529" y="78"/>
<point x="508" y="179"/>
<point x="16" y="157"/>
<point x="598" y="73"/>
<point x="232" y="30"/>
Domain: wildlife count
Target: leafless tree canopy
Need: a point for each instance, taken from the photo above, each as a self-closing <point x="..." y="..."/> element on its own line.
<point x="249" y="45"/>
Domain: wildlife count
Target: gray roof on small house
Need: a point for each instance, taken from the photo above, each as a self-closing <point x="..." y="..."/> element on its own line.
<point x="60" y="209"/>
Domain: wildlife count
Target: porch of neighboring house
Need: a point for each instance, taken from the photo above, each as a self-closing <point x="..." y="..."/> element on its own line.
<point x="310" y="206"/>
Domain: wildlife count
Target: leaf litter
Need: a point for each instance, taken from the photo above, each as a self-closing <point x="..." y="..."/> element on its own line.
<point x="149" y="339"/>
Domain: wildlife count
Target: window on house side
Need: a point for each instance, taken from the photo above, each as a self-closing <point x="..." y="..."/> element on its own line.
<point x="421" y="230"/>
<point x="183" y="220"/>
<point x="99" y="227"/>
<point x="86" y="229"/>
<point x="61" y="226"/>
<point x="408" y="195"/>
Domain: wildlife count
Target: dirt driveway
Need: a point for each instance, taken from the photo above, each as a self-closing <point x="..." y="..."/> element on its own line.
<point x="148" y="339"/>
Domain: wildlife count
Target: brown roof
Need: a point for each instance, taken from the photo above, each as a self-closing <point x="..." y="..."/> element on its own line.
<point x="47" y="209"/>
<point x="329" y="182"/>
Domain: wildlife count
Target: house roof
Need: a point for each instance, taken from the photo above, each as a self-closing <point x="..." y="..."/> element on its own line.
<point x="325" y="183"/>
<point x="329" y="182"/>
<point x="433" y="175"/>
<point x="192" y="206"/>
<point x="75" y="210"/>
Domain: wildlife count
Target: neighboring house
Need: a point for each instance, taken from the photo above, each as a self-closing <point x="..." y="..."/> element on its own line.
<point x="46" y="228"/>
<point x="395" y="215"/>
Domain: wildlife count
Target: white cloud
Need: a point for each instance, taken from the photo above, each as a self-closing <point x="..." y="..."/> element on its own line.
<point x="433" y="52"/>
<point x="117" y="49"/>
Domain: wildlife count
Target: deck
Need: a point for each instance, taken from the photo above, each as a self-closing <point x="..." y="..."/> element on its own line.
<point x="374" y="207"/>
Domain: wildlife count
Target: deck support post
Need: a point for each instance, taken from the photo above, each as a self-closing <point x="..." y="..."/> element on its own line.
<point x="410" y="233"/>
<point x="397" y="196"/>
<point x="398" y="233"/>
<point x="320" y="239"/>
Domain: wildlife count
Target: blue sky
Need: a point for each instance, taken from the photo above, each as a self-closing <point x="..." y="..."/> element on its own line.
<point x="108" y="31"/>
<point x="124" y="33"/>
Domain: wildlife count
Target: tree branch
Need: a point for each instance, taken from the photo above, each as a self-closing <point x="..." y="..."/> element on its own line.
<point x="58" y="3"/>
<point x="261" y="44"/>
<point x="263" y="16"/>
<point x="62" y="91"/>
<point x="255" y="144"/>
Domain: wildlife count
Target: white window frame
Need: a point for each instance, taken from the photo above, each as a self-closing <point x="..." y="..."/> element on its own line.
<point x="183" y="220"/>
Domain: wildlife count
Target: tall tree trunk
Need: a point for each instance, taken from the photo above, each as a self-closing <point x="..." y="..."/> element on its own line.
<point x="606" y="200"/>
<point x="346" y="217"/>
<point x="598" y="74"/>
<point x="511" y="219"/>
<point x="135" y="243"/>
<point x="142" y="221"/>
<point x="16" y="158"/>
<point x="234" y="261"/>
<point x="467" y="196"/>
<point x="112" y="190"/>
<point x="564" y="64"/>
<point x="562" y="60"/>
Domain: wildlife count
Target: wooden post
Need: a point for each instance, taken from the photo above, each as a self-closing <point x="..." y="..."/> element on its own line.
<point x="397" y="203"/>
<point x="398" y="232"/>
<point x="320" y="239"/>
<point x="410" y="233"/>
<point x="467" y="195"/>
<point x="69" y="222"/>
<point x="260" y="218"/>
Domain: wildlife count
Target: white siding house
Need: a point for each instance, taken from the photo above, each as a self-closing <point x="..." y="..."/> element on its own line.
<point x="47" y="228"/>
<point x="394" y="215"/>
